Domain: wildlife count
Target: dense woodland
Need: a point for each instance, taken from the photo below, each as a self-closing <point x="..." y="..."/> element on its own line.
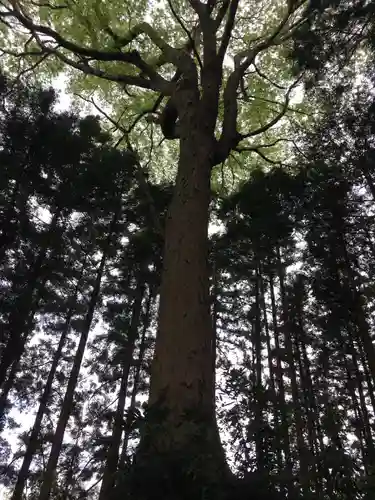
<point x="291" y="265"/>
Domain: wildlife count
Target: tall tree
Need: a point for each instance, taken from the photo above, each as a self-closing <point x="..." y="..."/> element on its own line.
<point x="202" y="113"/>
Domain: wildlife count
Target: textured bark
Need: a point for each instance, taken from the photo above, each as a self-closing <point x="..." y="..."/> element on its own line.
<point x="182" y="367"/>
<point x="182" y="375"/>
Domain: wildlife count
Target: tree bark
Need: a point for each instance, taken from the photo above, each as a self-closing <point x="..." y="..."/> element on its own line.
<point x="182" y="375"/>
<point x="182" y="366"/>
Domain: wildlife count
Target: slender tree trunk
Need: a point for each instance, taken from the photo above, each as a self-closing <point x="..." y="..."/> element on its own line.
<point x="69" y="478"/>
<point x="298" y="418"/>
<point x="137" y="374"/>
<point x="362" y="400"/>
<point x="276" y="409"/>
<point x="313" y="407"/>
<point x="280" y="383"/>
<point x="258" y="399"/>
<point x="310" y="407"/>
<point x="360" y="428"/>
<point x="215" y="307"/>
<point x="369" y="380"/>
<point x="67" y="404"/>
<point x="356" y="314"/>
<point x="33" y="438"/>
<point x="21" y="319"/>
<point x="14" y="367"/>
<point x="109" y="476"/>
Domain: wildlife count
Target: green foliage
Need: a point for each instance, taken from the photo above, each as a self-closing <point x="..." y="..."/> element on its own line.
<point x="106" y="29"/>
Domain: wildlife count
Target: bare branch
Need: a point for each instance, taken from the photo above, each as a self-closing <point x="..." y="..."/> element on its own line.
<point x="199" y="8"/>
<point x="192" y="41"/>
<point x="270" y="144"/>
<point x="278" y="103"/>
<point x="259" y="153"/>
<point x="221" y="14"/>
<point x="265" y="77"/>
<point x="228" y="28"/>
<point x="278" y="117"/>
<point x="49" y="5"/>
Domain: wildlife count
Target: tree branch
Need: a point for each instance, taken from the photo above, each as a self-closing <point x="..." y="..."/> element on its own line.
<point x="228" y="28"/>
<point x="84" y="66"/>
<point x="265" y="77"/>
<point x="199" y="8"/>
<point x="192" y="42"/>
<point x="249" y="54"/>
<point x="278" y="117"/>
<point x="169" y="53"/>
<point x="256" y="150"/>
<point x="268" y="145"/>
<point x="229" y="137"/>
<point x="49" y="5"/>
<point x="140" y="173"/>
<point x="221" y="14"/>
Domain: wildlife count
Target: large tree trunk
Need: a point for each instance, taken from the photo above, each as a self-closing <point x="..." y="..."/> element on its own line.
<point x="182" y="376"/>
<point x="182" y="367"/>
